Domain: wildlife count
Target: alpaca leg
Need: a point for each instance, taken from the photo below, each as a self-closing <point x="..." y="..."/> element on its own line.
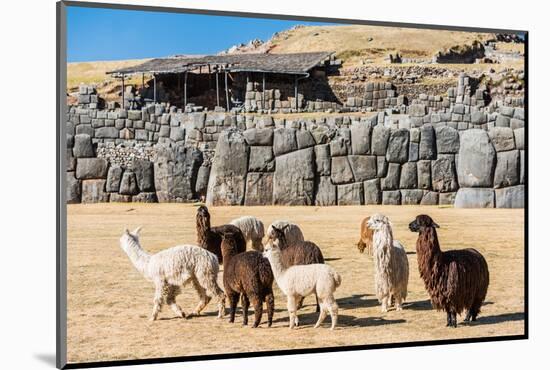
<point x="245" y="303"/>
<point x="270" y="303"/>
<point x="203" y="298"/>
<point x="473" y="311"/>
<point x="213" y="290"/>
<point x="333" y="310"/>
<point x="233" y="299"/>
<point x="385" y="303"/>
<point x="300" y="303"/>
<point x="398" y="302"/>
<point x="173" y="291"/>
<point x="449" y="318"/>
<point x="291" y="306"/>
<point x="258" y="310"/>
<point x="317" y="303"/>
<point x="322" y="314"/>
<point x="453" y="317"/>
<point x="157" y="301"/>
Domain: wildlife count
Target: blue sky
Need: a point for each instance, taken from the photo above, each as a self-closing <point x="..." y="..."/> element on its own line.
<point x="110" y="34"/>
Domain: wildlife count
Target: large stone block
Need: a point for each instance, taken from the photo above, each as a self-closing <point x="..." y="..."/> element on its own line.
<point x="259" y="189"/>
<point x="326" y="192"/>
<point x="175" y="171"/>
<point x="341" y="172"/>
<point x="322" y="159"/>
<point x="338" y="147"/>
<point x="362" y="166"/>
<point x="360" y="138"/>
<point x="261" y="159"/>
<point x="380" y="137"/>
<point x="444" y="175"/>
<point x="391" y="198"/>
<point x="411" y="196"/>
<point x="409" y="178"/>
<point x="398" y="146"/>
<point x="430" y="198"/>
<point x="83" y="147"/>
<point x="372" y="193"/>
<point x="293" y="180"/>
<point x="381" y="166"/>
<point x="522" y="166"/>
<point x="201" y="185"/>
<point x="350" y="194"/>
<point x="424" y="174"/>
<point x="144" y="171"/>
<point x="177" y="133"/>
<point x="284" y="141"/>
<point x="519" y="138"/>
<point x="510" y="197"/>
<point x="150" y="197"/>
<point x="227" y="182"/>
<point x="447" y="140"/>
<point x="475" y="198"/>
<point x="93" y="191"/>
<point x="447" y="199"/>
<point x="428" y="146"/>
<point x="91" y="168"/>
<point x="114" y="175"/>
<point x="476" y="159"/>
<point x="391" y="181"/>
<point x="73" y="188"/>
<point x="259" y="136"/>
<point x="107" y="133"/>
<point x="304" y="139"/>
<point x="128" y="183"/>
<point x="507" y="169"/>
<point x="502" y="138"/>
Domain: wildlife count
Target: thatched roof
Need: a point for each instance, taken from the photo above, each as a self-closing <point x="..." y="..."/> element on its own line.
<point x="296" y="63"/>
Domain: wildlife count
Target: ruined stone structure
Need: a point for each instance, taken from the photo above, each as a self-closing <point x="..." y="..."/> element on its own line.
<point x="458" y="152"/>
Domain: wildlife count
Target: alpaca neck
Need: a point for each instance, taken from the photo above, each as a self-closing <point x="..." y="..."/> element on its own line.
<point x="203" y="229"/>
<point x="139" y="258"/>
<point x="227" y="255"/>
<point x="276" y="265"/>
<point x="427" y="249"/>
<point x="383" y="238"/>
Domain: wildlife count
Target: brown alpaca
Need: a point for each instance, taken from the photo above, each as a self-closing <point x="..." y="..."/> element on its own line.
<point x="365" y="238"/>
<point x="247" y="274"/>
<point x="456" y="280"/>
<point x="298" y="253"/>
<point x="210" y="238"/>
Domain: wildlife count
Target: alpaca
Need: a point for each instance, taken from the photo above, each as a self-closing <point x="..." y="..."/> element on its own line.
<point x="210" y="238"/>
<point x="293" y="234"/>
<point x="247" y="274"/>
<point x="252" y="229"/>
<point x="302" y="280"/>
<point x="365" y="238"/>
<point x="173" y="268"/>
<point x="299" y="253"/>
<point x="391" y="266"/>
<point x="456" y="280"/>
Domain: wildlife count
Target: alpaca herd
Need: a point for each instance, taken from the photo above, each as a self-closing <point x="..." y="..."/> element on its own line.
<point x="456" y="280"/>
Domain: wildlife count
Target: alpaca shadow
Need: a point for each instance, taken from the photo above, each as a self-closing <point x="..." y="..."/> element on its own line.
<point x="418" y="305"/>
<point x="357" y="301"/>
<point x="410" y="253"/>
<point x="332" y="259"/>
<point x="496" y="319"/>
<point x="353" y="321"/>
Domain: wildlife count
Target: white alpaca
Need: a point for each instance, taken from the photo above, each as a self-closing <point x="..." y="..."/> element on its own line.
<point x="292" y="232"/>
<point x="302" y="280"/>
<point x="391" y="266"/>
<point x="173" y="268"/>
<point x="252" y="229"/>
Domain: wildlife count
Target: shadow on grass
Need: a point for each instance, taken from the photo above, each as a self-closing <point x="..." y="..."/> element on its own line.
<point x="357" y="301"/>
<point x="332" y="259"/>
<point x="496" y="319"/>
<point x="411" y="252"/>
<point x="310" y="319"/>
<point x="418" y="305"/>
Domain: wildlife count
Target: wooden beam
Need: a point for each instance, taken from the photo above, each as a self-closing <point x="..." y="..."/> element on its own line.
<point x="154" y="88"/>
<point x="226" y="92"/>
<point x="185" y="90"/>
<point x="217" y="89"/>
<point x="122" y="105"/>
<point x="263" y="91"/>
<point x="296" y="93"/>
<point x="142" y="82"/>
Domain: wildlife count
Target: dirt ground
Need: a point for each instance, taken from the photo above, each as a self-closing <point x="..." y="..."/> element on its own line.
<point x="109" y="302"/>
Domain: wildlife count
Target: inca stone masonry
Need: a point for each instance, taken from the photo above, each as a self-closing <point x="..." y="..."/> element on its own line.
<point x="452" y="151"/>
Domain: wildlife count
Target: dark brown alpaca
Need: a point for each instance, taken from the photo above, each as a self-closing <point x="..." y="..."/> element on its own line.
<point x="456" y="280"/>
<point x="210" y="238"/>
<point x="365" y="237"/>
<point x="249" y="275"/>
<point x="302" y="253"/>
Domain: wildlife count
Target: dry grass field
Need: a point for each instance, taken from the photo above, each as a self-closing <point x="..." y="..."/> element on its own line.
<point x="109" y="302"/>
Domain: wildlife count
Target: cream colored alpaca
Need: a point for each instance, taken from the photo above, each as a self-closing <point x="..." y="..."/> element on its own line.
<point x="173" y="268"/>
<point x="391" y="266"/>
<point x="292" y="232"/>
<point x="302" y="280"/>
<point x="252" y="229"/>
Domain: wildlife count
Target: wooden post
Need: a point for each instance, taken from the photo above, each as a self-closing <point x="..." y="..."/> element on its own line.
<point x="296" y="92"/>
<point x="226" y="93"/>
<point x="263" y="91"/>
<point x="142" y="82"/>
<point x="154" y="88"/>
<point x="122" y="105"/>
<point x="217" y="89"/>
<point x="209" y="78"/>
<point x="185" y="90"/>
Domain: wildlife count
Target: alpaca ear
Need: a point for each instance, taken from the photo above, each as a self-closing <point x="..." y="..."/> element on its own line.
<point x="435" y="225"/>
<point x="137" y="230"/>
<point x="126" y="231"/>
